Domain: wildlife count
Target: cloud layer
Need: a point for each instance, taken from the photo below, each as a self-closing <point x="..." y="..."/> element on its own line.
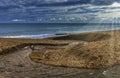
<point x="60" y="11"/>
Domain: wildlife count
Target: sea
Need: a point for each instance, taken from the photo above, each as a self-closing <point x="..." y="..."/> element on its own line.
<point x="44" y="30"/>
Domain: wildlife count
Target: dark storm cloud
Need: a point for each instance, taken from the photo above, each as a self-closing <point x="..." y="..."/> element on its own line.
<point x="58" y="10"/>
<point x="41" y="3"/>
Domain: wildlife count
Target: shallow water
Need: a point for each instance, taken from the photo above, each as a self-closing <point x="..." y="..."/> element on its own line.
<point x="37" y="30"/>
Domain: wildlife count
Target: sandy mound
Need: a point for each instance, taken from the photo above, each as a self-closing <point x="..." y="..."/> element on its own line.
<point x="89" y="37"/>
<point x="13" y="44"/>
<point x="94" y="50"/>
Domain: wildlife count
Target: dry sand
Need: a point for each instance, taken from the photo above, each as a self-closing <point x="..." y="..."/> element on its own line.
<point x="12" y="44"/>
<point x="17" y="64"/>
<point x="93" y="50"/>
<point x="87" y="50"/>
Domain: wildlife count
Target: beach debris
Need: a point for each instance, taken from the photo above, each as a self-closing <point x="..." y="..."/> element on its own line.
<point x="45" y="54"/>
<point x="26" y="47"/>
<point x="104" y="72"/>
<point x="32" y="47"/>
<point x="91" y="73"/>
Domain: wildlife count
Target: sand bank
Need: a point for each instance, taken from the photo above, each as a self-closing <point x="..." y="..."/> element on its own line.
<point x="15" y="61"/>
<point x="85" y="50"/>
<point x="12" y="44"/>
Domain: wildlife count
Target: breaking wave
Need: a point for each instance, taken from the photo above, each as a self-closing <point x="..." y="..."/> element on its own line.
<point x="30" y="36"/>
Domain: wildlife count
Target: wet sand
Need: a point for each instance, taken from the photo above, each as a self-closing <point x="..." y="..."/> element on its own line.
<point x="18" y="65"/>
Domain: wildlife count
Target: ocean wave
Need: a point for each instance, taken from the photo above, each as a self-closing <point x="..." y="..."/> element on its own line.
<point x="30" y="36"/>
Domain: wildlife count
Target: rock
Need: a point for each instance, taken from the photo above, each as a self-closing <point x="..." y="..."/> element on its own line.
<point x="91" y="73"/>
<point x="104" y="72"/>
<point x="20" y="65"/>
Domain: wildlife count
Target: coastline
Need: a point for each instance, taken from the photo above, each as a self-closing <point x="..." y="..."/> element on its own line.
<point x="7" y="43"/>
<point x="15" y="62"/>
<point x="84" y="52"/>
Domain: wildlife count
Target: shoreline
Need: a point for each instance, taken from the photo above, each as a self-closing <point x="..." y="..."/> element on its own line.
<point x="45" y="36"/>
<point x="85" y="55"/>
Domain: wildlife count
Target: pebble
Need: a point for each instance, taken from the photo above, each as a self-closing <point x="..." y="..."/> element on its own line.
<point x="104" y="72"/>
<point x="91" y="73"/>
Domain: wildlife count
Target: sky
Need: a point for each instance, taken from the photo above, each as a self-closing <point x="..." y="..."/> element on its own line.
<point x="59" y="11"/>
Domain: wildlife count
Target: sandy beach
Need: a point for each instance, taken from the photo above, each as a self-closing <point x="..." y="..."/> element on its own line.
<point x="84" y="55"/>
<point x="86" y="50"/>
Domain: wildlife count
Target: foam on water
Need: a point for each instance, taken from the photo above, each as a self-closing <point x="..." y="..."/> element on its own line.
<point x="49" y="30"/>
<point x="30" y="36"/>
